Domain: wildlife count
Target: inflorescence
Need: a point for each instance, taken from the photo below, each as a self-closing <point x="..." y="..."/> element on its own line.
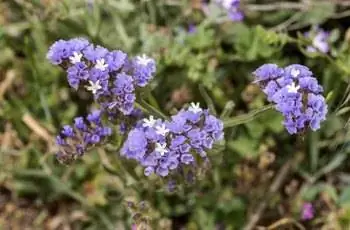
<point x="74" y="141"/>
<point x="232" y="8"/>
<point x="320" y="40"/>
<point x="296" y="94"/>
<point x="163" y="146"/>
<point x="110" y="76"/>
<point x="159" y="146"/>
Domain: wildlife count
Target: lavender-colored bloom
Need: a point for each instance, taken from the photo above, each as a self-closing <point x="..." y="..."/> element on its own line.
<point x="163" y="146"/>
<point x="110" y="76"/>
<point x="62" y="50"/>
<point x="319" y="41"/>
<point x="143" y="69"/>
<point x="232" y="7"/>
<point x="267" y="72"/>
<point x="75" y="140"/>
<point x="296" y="94"/>
<point x="123" y="91"/>
<point x="115" y="60"/>
<point x="191" y="29"/>
<point x="308" y="211"/>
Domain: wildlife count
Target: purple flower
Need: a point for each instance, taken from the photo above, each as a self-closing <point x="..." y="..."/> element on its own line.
<point x="232" y="7"/>
<point x="75" y="140"/>
<point x="116" y="60"/>
<point x="308" y="211"/>
<point x="143" y="69"/>
<point x="163" y="146"/>
<point x="268" y="72"/>
<point x="319" y="41"/>
<point x="123" y="93"/>
<point x="296" y="94"/>
<point x="191" y="29"/>
<point x="110" y="76"/>
<point x="62" y="50"/>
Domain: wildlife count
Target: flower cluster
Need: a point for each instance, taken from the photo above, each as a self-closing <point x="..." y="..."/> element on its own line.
<point x="319" y="41"/>
<point x="162" y="146"/>
<point x="232" y="7"/>
<point x="75" y="140"/>
<point x="296" y="94"/>
<point x="111" y="76"/>
<point x="229" y="7"/>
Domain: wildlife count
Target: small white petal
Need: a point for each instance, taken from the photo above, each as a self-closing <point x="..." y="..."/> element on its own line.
<point x="75" y="58"/>
<point x="293" y="88"/>
<point x="149" y="122"/>
<point x="94" y="86"/>
<point x="161" y="148"/>
<point x="162" y="130"/>
<point x="143" y="60"/>
<point x="101" y="65"/>
<point x="295" y="72"/>
<point x="195" y="107"/>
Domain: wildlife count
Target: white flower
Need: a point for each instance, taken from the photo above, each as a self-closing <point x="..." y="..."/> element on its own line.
<point x="94" y="86"/>
<point x="292" y="88"/>
<point x="150" y="122"/>
<point x="161" y="148"/>
<point x="295" y="72"/>
<point x="143" y="60"/>
<point x="162" y="130"/>
<point x="227" y="4"/>
<point x="195" y="108"/>
<point x="75" y="58"/>
<point x="101" y="65"/>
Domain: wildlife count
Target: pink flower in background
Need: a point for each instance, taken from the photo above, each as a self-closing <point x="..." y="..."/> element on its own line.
<point x="308" y="211"/>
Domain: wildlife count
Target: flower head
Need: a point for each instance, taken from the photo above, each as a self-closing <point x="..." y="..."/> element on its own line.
<point x="296" y="94"/>
<point x="232" y="7"/>
<point x="110" y="75"/>
<point x="185" y="137"/>
<point x="320" y="41"/>
<point x="143" y="68"/>
<point x="74" y="141"/>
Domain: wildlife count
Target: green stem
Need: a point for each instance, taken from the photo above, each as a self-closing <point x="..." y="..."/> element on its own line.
<point x="242" y="119"/>
<point x="314" y="151"/>
<point x="150" y="109"/>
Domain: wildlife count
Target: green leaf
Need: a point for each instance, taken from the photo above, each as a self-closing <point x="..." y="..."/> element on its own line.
<point x="244" y="146"/>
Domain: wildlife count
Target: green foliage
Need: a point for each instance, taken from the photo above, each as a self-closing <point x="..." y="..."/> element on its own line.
<point x="212" y="65"/>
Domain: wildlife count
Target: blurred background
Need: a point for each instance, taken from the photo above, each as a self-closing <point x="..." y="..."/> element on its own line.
<point x="205" y="51"/>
